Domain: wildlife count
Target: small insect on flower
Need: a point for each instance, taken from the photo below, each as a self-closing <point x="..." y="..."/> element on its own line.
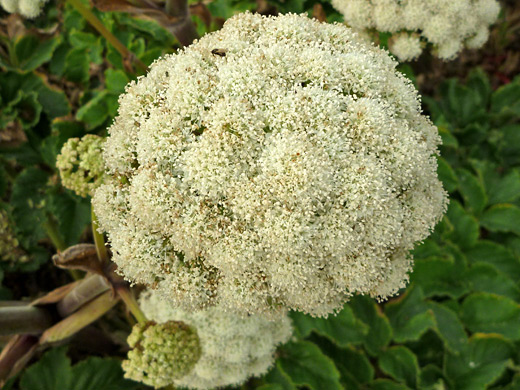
<point x="219" y="52"/>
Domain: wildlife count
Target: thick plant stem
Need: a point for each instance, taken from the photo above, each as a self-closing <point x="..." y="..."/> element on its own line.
<point x="128" y="298"/>
<point x="100" y="27"/>
<point x="23" y="319"/>
<point x="184" y="31"/>
<point x="88" y="289"/>
<point x="98" y="239"/>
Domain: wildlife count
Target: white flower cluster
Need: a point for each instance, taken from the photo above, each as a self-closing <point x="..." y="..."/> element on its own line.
<point x="27" y="8"/>
<point x="448" y="25"/>
<point x="233" y="348"/>
<point x="277" y="163"/>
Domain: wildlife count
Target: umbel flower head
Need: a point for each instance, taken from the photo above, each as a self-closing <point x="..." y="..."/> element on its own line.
<point x="81" y="164"/>
<point x="448" y="25"/>
<point x="161" y="352"/>
<point x="27" y="8"/>
<point x="233" y="348"/>
<point x="277" y="163"/>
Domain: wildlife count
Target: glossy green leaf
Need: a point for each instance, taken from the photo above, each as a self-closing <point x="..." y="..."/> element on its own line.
<point x="53" y="101"/>
<point x="491" y="313"/>
<point x="502" y="218"/>
<point x="409" y="315"/>
<point x="51" y="372"/>
<point x="72" y="214"/>
<point x="100" y="374"/>
<point x="448" y="327"/>
<point x="116" y="80"/>
<point x="306" y="365"/>
<point x="32" y="52"/>
<point x="466" y="229"/>
<point x="77" y="65"/>
<point x="28" y="201"/>
<point x="480" y="364"/>
<point x="485" y="277"/>
<point x="447" y="175"/>
<point x="439" y="277"/>
<point x="472" y="191"/>
<point x="386" y="384"/>
<point x="497" y="255"/>
<point x="507" y="189"/>
<point x="401" y="364"/>
<point x="342" y="328"/>
<point x="95" y="112"/>
<point x="505" y="102"/>
<point x="380" y="331"/>
<point x="92" y="43"/>
<point x="276" y="376"/>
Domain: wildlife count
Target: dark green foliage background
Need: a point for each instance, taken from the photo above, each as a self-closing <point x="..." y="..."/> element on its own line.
<point x="456" y="326"/>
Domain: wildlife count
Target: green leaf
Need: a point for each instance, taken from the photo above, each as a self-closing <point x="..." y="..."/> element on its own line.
<point x="486" y="278"/>
<point x="478" y="81"/>
<point x="439" y="276"/>
<point x="466" y="229"/>
<point x="510" y="145"/>
<point x="380" y="331"/>
<point x="448" y="139"/>
<point x="51" y="372"/>
<point x="502" y="218"/>
<point x="306" y="365"/>
<point x="386" y="384"/>
<point x="116" y="80"/>
<point x="61" y="131"/>
<point x="472" y="191"/>
<point x="432" y="378"/>
<point x="28" y="201"/>
<point x="409" y="315"/>
<point x="497" y="255"/>
<point x="71" y="212"/>
<point x="95" y="112"/>
<point x="277" y="376"/>
<point x="26" y="108"/>
<point x="54" y="372"/>
<point x="353" y="364"/>
<point x="57" y="64"/>
<point x="447" y="175"/>
<point x="482" y="362"/>
<point x="507" y="189"/>
<point x="77" y="66"/>
<point x="505" y="102"/>
<point x="448" y="327"/>
<point x="148" y="27"/>
<point x="53" y="101"/>
<point x="342" y="328"/>
<point x="31" y="52"/>
<point x="484" y="312"/>
<point x="271" y="386"/>
<point x="100" y="374"/>
<point x="90" y="42"/>
<point x="401" y="364"/>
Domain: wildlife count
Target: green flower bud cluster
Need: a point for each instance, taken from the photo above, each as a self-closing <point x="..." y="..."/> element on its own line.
<point x="9" y="246"/>
<point x="161" y="352"/>
<point x="81" y="164"/>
